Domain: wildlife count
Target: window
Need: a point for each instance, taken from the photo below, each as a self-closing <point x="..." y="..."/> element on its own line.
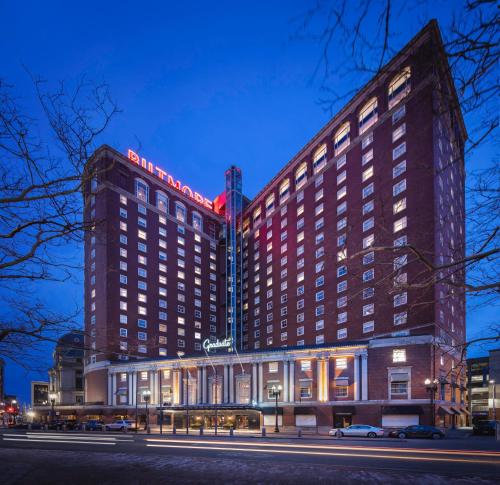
<point x="368" y="241"/>
<point x="340" y="390"/>
<point x="141" y="190"/>
<point x="368" y="275"/>
<point x="368" y="173"/>
<point x="319" y="159"/>
<point x="368" y="293"/>
<point x="269" y="204"/>
<point x="398" y="355"/>
<point x="398" y="132"/>
<point x="341" y="271"/>
<point x="162" y="201"/>
<point x="399" y="150"/>
<point x="400" y="318"/>
<point x="342" y="333"/>
<point x="180" y="212"/>
<point x="367" y="140"/>
<point x="341" y="162"/>
<point x="399" y="169"/>
<point x="399" y="87"/>
<point x="273" y="367"/>
<point x="368" y="224"/>
<point x="320" y="280"/>
<point x="341" y="223"/>
<point x="367" y="157"/>
<point x="368" y="190"/>
<point x="341" y="139"/>
<point x="399" y="206"/>
<point x="341" y="302"/>
<point x="368" y="326"/>
<point x="284" y="190"/>
<point x="368" y="309"/>
<point x="341" y="177"/>
<point x="399" y="187"/>
<point x="368" y="258"/>
<point x="400" y="299"/>
<point x="368" y="115"/>
<point x="305" y="365"/>
<point x="342" y="192"/>
<point x="342" y="317"/>
<point x="399" y="387"/>
<point x="398" y="114"/>
<point x="301" y="175"/>
<point x="341" y="208"/>
<point x="400" y="224"/>
<point x="320" y="325"/>
<point x="368" y="207"/>
<point x="197" y="222"/>
<point x="342" y="286"/>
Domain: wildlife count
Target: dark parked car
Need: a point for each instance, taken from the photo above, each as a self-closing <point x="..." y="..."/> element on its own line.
<point x="484" y="427"/>
<point x="92" y="425"/>
<point x="60" y="423"/>
<point x="418" y="431"/>
<point x="27" y="426"/>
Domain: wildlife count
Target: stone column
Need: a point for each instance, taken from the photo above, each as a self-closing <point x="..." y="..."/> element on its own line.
<point x="327" y="379"/>
<point x="364" y="377"/>
<point x="204" y="384"/>
<point x="199" y="384"/>
<point x="231" y="383"/>
<point x="254" y="382"/>
<point x="285" y="381"/>
<point x="130" y="389"/>
<point x="134" y="388"/>
<point x="356" y="378"/>
<point x="110" y="389"/>
<point x="292" y="381"/>
<point x="261" y="383"/>
<point x="225" y="385"/>
<point x="115" y="376"/>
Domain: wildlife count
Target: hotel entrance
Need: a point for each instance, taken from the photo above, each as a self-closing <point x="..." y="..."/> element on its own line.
<point x="227" y="417"/>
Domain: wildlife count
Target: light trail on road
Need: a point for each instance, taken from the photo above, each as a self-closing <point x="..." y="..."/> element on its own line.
<point x="334" y="446"/>
<point x="324" y="453"/>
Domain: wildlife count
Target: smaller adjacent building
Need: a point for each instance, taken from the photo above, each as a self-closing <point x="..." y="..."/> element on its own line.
<point x="39" y="393"/>
<point x="483" y="377"/>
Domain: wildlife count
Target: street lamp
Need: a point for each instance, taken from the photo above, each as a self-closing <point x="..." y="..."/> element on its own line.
<point x="431" y="386"/>
<point x="52" y="397"/>
<point x="492" y="382"/>
<point x="146" y="395"/>
<point x="276" y="393"/>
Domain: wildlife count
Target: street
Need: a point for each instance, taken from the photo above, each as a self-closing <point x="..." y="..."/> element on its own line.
<point x="76" y="457"/>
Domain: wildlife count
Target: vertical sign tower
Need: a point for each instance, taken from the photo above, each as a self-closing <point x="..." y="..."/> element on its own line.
<point x="234" y="207"/>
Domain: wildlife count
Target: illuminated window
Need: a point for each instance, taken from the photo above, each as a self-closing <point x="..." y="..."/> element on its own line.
<point x="284" y="190"/>
<point x="400" y="224"/>
<point x="341" y="139"/>
<point x="256" y="215"/>
<point x="319" y="159"/>
<point x="399" y="206"/>
<point x="197" y="221"/>
<point x="368" y="115"/>
<point x="399" y="87"/>
<point x="273" y="367"/>
<point x="180" y="212"/>
<point x="367" y="174"/>
<point x="341" y="363"/>
<point x="269" y="204"/>
<point x="162" y="201"/>
<point x="301" y="175"/>
<point x="141" y="190"/>
<point x="399" y="355"/>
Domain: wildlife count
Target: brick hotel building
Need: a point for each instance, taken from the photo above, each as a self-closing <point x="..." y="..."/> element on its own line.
<point x="320" y="283"/>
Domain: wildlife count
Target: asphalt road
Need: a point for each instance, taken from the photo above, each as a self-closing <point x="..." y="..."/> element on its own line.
<point x="72" y="457"/>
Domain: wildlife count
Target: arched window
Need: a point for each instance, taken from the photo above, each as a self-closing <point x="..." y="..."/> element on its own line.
<point x="368" y="115"/>
<point x="197" y="221"/>
<point x="399" y="87"/>
<point x="319" y="160"/>
<point x="269" y="204"/>
<point x="180" y="212"/>
<point x="301" y="175"/>
<point x="161" y="201"/>
<point x="142" y="190"/>
<point x="284" y="190"/>
<point x="341" y="139"/>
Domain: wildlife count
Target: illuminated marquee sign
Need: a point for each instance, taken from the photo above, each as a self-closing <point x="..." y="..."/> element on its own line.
<point x="176" y="184"/>
<point x="209" y="346"/>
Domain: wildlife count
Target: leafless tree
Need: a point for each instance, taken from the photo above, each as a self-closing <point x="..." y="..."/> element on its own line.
<point x="42" y="175"/>
<point x="356" y="39"/>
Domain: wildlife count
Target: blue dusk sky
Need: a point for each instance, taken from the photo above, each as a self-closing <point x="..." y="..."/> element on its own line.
<point x="201" y="85"/>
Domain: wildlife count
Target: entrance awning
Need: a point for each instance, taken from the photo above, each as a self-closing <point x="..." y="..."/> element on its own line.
<point x="304" y="410"/>
<point x="344" y="409"/>
<point x="408" y="409"/>
<point x="271" y="410"/>
<point x="442" y="410"/>
<point x="209" y="407"/>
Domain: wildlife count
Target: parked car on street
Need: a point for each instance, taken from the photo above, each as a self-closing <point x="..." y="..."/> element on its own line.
<point x="60" y="423"/>
<point x="484" y="427"/>
<point x="120" y="425"/>
<point x="92" y="425"/>
<point x="358" y="430"/>
<point x="417" y="431"/>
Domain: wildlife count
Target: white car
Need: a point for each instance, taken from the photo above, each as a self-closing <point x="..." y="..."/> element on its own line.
<point x="359" y="430"/>
<point x="120" y="425"/>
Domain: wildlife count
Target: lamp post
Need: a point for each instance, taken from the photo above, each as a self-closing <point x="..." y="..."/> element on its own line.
<point x="146" y="395"/>
<point x="52" y="397"/>
<point x="492" y="382"/>
<point x="431" y="386"/>
<point x="276" y="392"/>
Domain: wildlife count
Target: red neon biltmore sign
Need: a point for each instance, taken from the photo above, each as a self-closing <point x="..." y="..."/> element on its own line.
<point x="166" y="177"/>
